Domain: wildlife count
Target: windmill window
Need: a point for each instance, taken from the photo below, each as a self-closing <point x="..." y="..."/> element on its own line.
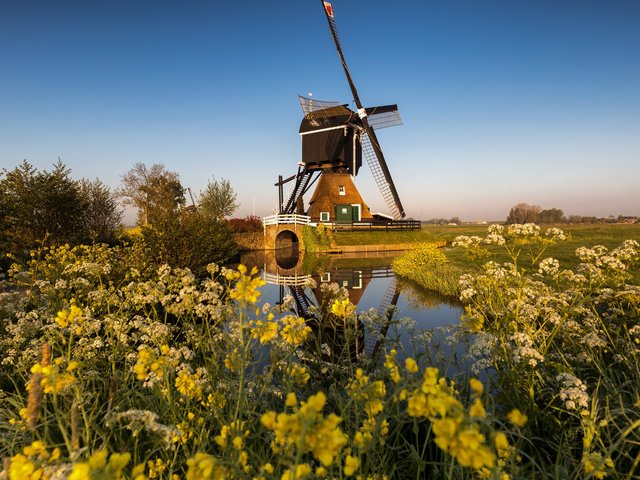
<point x="325" y="277"/>
<point x="341" y="190"/>
<point x="357" y="280"/>
<point x="324" y="216"/>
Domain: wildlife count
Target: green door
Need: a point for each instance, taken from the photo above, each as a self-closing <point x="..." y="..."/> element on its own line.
<point x="356" y="213"/>
<point x="344" y="213"/>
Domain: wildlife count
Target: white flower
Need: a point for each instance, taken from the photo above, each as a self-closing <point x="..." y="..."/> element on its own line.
<point x="467" y="294"/>
<point x="549" y="266"/>
<point x="555" y="234"/>
<point x="573" y="392"/>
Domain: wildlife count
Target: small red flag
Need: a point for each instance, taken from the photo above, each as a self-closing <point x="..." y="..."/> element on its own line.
<point x="329" y="8"/>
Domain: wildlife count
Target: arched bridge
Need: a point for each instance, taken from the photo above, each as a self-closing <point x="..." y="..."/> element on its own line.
<point x="284" y="231"/>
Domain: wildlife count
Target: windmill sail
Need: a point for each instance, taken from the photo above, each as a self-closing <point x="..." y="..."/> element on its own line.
<point x="383" y="117"/>
<point x="383" y="181"/>
<point x="374" y="154"/>
<point x="310" y="105"/>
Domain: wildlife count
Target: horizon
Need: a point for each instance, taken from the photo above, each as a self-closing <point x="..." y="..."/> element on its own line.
<point x="536" y="102"/>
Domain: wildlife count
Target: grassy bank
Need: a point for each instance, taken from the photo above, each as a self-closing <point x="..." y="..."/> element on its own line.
<point x="443" y="277"/>
<point x="581" y="235"/>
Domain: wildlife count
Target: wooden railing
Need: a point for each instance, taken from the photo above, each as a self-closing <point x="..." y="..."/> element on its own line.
<point x="379" y="225"/>
<point x="288" y="219"/>
<point x="292" y="280"/>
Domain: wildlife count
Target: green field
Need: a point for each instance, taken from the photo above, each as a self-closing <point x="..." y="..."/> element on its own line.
<point x="582" y="235"/>
<point x="609" y="235"/>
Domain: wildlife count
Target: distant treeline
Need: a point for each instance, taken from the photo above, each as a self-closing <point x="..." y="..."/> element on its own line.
<point x="525" y="213"/>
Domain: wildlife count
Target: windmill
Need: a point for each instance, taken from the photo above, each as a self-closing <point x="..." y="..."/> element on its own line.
<point x="334" y="140"/>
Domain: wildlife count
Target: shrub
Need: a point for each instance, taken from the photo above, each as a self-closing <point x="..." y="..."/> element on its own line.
<point x="191" y="241"/>
<point x="428" y="266"/>
<point x="248" y="224"/>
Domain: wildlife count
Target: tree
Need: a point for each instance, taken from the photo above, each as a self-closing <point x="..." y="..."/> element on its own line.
<point x="102" y="214"/>
<point x="524" y="213"/>
<point x="218" y="200"/>
<point x="552" y="215"/>
<point x="35" y="205"/>
<point x="155" y="192"/>
<point x="192" y="240"/>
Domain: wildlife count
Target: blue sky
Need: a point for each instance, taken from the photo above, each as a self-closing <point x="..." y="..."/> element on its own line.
<point x="502" y="101"/>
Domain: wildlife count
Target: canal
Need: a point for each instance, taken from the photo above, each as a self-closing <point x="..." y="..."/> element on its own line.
<point x="371" y="284"/>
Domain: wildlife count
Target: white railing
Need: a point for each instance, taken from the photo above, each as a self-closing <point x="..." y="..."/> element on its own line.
<point x="288" y="219"/>
<point x="292" y="280"/>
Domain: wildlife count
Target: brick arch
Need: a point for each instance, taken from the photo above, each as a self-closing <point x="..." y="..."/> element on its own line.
<point x="283" y="236"/>
<point x="287" y="239"/>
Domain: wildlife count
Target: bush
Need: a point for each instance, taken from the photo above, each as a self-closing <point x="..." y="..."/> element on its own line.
<point x="248" y="224"/>
<point x="427" y="265"/>
<point x="191" y="241"/>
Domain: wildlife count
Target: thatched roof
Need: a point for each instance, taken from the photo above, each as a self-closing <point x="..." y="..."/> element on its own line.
<point x="327" y="195"/>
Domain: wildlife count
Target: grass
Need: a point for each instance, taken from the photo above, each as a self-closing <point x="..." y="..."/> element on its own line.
<point x="582" y="235"/>
<point x="440" y="279"/>
<point x="609" y="235"/>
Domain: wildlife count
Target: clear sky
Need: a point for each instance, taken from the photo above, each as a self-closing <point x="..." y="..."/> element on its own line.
<point x="502" y="101"/>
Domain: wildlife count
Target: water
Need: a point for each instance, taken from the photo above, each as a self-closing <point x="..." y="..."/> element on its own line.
<point x="370" y="282"/>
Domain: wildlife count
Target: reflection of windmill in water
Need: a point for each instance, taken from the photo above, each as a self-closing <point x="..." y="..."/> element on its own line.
<point x="334" y="140"/>
<point x="312" y="304"/>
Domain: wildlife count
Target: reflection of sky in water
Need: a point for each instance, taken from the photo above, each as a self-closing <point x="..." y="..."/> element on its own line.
<point x="430" y="313"/>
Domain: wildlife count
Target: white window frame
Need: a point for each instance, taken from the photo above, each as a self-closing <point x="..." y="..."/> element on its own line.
<point x="325" y="216"/>
<point x="341" y="190"/>
<point x="357" y="274"/>
<point x="325" y="277"/>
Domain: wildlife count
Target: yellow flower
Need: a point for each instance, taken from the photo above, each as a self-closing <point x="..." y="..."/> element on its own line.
<point x="98" y="467"/>
<point x="264" y="331"/>
<point x="342" y="308"/>
<point x="80" y="471"/>
<point x="295" y="330"/>
<point x="371" y="393"/>
<point x="516" y="417"/>
<point x="298" y="374"/>
<point x="476" y="386"/>
<point x="70" y="317"/>
<point x="52" y="380"/>
<point x="351" y="464"/>
<point x="391" y="366"/>
<point x="596" y="465"/>
<point x="307" y="430"/>
<point x="22" y="468"/>
<point x="411" y="365"/>
<point x="477" y="409"/>
<point x="138" y="472"/>
<point x="237" y="442"/>
<point x="189" y="385"/>
<point x="502" y="444"/>
<point x="203" y="466"/>
<point x="247" y="287"/>
<point x="291" y="401"/>
<point x="299" y="472"/>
